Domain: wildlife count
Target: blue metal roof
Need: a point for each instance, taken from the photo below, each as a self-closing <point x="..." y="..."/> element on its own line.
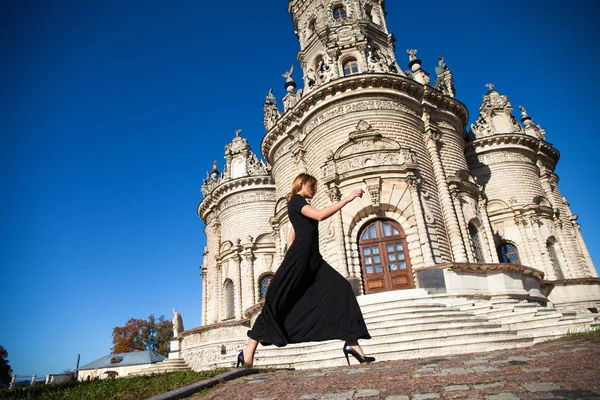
<point x="125" y="359"/>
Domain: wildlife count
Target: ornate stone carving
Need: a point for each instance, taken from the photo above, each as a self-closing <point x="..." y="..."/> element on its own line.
<point x="268" y="261"/>
<point x="368" y="145"/>
<point x="271" y="112"/>
<point x="364" y="105"/>
<point x="254" y="166"/>
<point x="374" y="190"/>
<point x="378" y="61"/>
<point x="334" y="194"/>
<point x="247" y="198"/>
<point x="444" y="124"/>
<point x="211" y="180"/>
<point x="445" y="81"/>
<point x="330" y="228"/>
<point x="495" y="158"/>
<point x="425" y="196"/>
<point x="495" y="116"/>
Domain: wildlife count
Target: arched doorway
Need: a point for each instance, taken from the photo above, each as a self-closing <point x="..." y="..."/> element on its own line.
<point x="384" y="257"/>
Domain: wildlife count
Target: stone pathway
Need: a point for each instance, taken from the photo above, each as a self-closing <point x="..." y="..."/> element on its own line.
<point x="562" y="369"/>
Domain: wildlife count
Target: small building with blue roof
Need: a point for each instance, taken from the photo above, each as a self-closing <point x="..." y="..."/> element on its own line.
<point x="118" y="365"/>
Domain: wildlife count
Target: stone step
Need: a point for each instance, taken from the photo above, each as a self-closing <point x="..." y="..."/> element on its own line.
<point x="419" y="339"/>
<point x="168" y="365"/>
<point x="473" y="308"/>
<point x="424" y="318"/>
<point x="393" y="295"/>
<point x="504" y="301"/>
<point x="557" y="330"/>
<point x="390" y="351"/>
<point x="405" y="308"/>
<point x="415" y="312"/>
<point x="425" y="321"/>
<point x="432" y="326"/>
<point x="500" y="315"/>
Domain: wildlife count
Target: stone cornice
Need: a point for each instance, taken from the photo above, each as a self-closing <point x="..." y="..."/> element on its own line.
<point x="221" y="191"/>
<point x="575" y="281"/>
<point x="200" y="329"/>
<point x="358" y="86"/>
<point x="510" y="139"/>
<point x="501" y="142"/>
<point x="491" y="267"/>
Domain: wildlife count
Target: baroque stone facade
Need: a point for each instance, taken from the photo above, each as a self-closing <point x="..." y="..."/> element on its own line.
<point x="446" y="210"/>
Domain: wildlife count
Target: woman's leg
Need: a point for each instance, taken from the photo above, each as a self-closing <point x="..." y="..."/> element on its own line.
<point x="249" y="350"/>
<point x="354" y="344"/>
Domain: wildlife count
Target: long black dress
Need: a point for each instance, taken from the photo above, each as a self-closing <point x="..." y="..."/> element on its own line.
<point x="307" y="300"/>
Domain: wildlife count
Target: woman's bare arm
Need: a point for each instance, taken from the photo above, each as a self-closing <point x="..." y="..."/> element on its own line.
<point x="291" y="237"/>
<point x="327" y="212"/>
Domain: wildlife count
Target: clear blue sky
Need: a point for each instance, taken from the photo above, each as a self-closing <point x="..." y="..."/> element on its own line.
<point x="113" y="111"/>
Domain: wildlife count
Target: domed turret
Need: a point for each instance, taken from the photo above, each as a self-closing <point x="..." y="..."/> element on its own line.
<point x="236" y="208"/>
<point x="516" y="166"/>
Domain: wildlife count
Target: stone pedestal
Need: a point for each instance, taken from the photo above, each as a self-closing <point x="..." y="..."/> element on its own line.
<point x="175" y="349"/>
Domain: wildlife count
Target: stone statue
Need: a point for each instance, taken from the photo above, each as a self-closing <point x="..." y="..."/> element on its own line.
<point x="288" y="75"/>
<point x="412" y="54"/>
<point x="177" y="324"/>
<point x="489" y="86"/>
<point x="523" y="112"/>
<point x="442" y="63"/>
<point x="271" y="99"/>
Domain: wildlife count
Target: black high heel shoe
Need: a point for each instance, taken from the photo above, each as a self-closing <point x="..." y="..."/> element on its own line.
<point x="240" y="359"/>
<point x="361" y="359"/>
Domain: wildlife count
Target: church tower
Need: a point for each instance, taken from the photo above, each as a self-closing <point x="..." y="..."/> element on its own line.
<point x="340" y="38"/>
<point x="361" y="122"/>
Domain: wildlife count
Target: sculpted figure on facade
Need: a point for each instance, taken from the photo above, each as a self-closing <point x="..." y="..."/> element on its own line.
<point x="177" y="323"/>
<point x="445" y="81"/>
<point x="271" y="112"/>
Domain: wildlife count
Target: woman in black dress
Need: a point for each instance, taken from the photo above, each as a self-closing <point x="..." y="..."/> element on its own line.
<point x="307" y="300"/>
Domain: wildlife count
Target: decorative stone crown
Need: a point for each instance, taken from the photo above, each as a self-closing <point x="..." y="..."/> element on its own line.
<point x="495" y="116"/>
<point x="240" y="162"/>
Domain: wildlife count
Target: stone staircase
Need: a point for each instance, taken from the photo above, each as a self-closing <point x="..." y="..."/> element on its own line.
<point x="412" y="324"/>
<point x="168" y="365"/>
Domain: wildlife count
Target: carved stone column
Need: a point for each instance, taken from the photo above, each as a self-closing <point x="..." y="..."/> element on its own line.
<point x="591" y="270"/>
<point x="213" y="301"/>
<point x="276" y="235"/>
<point x="249" y="280"/>
<point x="237" y="279"/>
<point x="526" y="247"/>
<point x="298" y="153"/>
<point x="487" y="227"/>
<point x="543" y="251"/>
<point x="567" y="239"/>
<point x="462" y="224"/>
<point x="204" y="277"/>
<point x="342" y="263"/>
<point x="218" y="301"/>
<point x="456" y="242"/>
<point x="424" y="240"/>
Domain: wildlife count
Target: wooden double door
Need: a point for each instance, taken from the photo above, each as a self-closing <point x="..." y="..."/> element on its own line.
<point x="384" y="257"/>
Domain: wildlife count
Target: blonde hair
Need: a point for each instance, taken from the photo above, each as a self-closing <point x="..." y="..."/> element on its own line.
<point x="299" y="181"/>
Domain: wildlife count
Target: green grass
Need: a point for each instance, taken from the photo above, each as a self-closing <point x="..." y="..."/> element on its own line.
<point x="591" y="333"/>
<point x="127" y="388"/>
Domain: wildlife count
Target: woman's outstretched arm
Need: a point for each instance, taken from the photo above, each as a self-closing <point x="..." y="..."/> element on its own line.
<point x="327" y="212"/>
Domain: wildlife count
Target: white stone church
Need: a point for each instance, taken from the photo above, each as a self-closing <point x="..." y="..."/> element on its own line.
<point x="462" y="241"/>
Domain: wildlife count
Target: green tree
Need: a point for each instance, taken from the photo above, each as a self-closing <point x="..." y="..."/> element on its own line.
<point x="5" y="369"/>
<point x="138" y="335"/>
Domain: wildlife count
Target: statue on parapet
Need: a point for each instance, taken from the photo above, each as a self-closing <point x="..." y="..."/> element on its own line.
<point x="288" y="75"/>
<point x="412" y="54"/>
<point x="177" y="323"/>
